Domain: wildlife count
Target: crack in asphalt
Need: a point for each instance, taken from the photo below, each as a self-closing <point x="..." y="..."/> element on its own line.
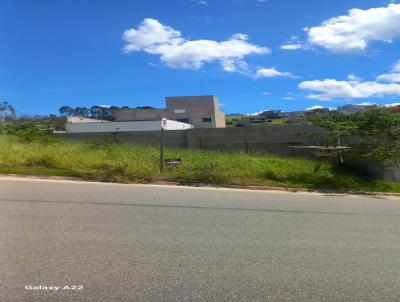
<point x="177" y="206"/>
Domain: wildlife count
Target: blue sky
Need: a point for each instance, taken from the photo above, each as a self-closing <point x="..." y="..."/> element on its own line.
<point x="251" y="54"/>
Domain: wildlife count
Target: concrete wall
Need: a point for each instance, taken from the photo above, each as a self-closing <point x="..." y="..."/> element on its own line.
<point x="139" y="115"/>
<point x="219" y="115"/>
<point x="173" y="138"/>
<point x="272" y="139"/>
<point x="392" y="172"/>
<point x="78" y="119"/>
<point x="123" y="126"/>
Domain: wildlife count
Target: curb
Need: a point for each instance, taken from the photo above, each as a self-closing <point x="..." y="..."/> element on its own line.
<point x="232" y="186"/>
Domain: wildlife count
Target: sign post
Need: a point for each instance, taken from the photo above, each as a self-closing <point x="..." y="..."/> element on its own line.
<point x="163" y="128"/>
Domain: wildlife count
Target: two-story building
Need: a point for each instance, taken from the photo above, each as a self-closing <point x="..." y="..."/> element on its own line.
<point x="199" y="111"/>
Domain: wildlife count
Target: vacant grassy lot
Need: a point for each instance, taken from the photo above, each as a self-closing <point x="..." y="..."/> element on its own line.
<point x="105" y="161"/>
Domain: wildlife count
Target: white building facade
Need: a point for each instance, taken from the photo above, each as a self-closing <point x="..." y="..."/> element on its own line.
<point x="94" y="126"/>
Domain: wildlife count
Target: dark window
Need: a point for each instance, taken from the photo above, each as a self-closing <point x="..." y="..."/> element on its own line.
<point x="206" y="119"/>
<point x="183" y="120"/>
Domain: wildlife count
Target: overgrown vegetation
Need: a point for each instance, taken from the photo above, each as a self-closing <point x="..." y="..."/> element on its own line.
<point x="232" y="120"/>
<point x="113" y="162"/>
<point x="31" y="130"/>
<point x="372" y="134"/>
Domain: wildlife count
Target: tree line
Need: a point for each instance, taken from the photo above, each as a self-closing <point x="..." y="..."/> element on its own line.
<point x="97" y="112"/>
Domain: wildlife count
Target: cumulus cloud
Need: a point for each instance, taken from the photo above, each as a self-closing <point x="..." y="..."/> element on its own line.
<point x="330" y="89"/>
<point x="175" y="51"/>
<point x="295" y="46"/>
<point x="271" y="73"/>
<point x="353" y="32"/>
<point x="354" y="87"/>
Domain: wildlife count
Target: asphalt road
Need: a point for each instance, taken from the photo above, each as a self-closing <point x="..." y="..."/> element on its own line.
<point x="159" y="243"/>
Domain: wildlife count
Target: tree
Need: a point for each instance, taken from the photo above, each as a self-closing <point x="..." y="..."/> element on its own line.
<point x="112" y="111"/>
<point x="97" y="112"/>
<point x="145" y="107"/>
<point x="7" y="111"/>
<point x="81" y="112"/>
<point x="103" y="112"/>
<point x="66" y="110"/>
<point x="372" y="134"/>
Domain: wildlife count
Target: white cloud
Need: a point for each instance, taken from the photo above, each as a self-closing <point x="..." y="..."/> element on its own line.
<point x="271" y="73"/>
<point x="150" y="35"/>
<point x="314" y="107"/>
<point x="200" y="2"/>
<point x="392" y="77"/>
<point x="353" y="78"/>
<point x="288" y="98"/>
<point x="330" y="89"/>
<point x="396" y="66"/>
<point x="366" y="104"/>
<point x="392" y="105"/>
<point x="158" y="39"/>
<point x="354" y="31"/>
<point x="295" y="46"/>
<point x="354" y="87"/>
<point x="389" y="77"/>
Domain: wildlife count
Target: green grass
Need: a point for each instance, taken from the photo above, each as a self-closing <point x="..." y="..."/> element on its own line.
<point x="124" y="163"/>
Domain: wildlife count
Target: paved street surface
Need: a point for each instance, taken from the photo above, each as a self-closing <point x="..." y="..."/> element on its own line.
<point x="164" y="243"/>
